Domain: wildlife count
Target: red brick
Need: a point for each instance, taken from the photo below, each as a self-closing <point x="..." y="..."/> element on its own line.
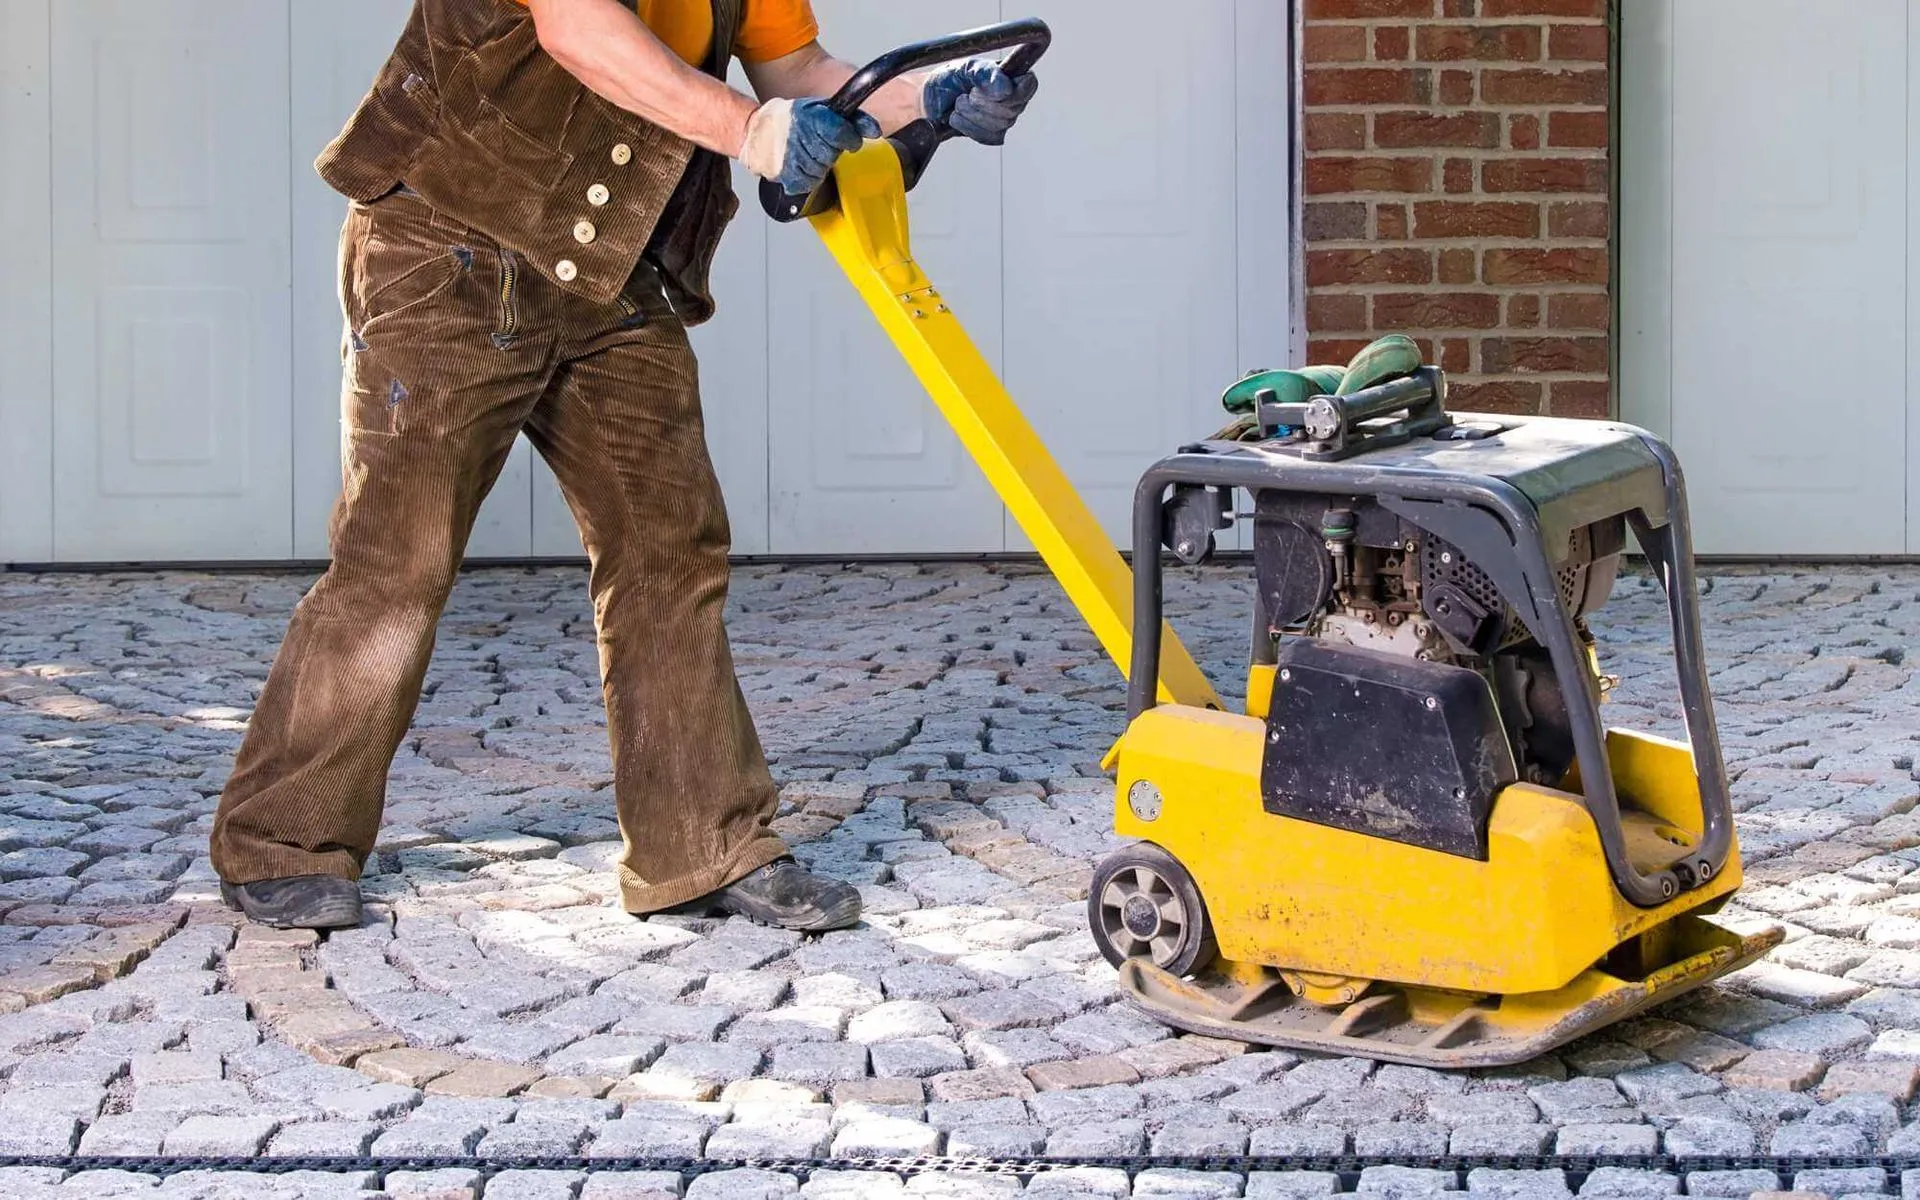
<point x="1336" y="131"/>
<point x="1478" y="43"/>
<point x="1335" y="312"/>
<point x="1456" y="356"/>
<point x="1398" y="130"/>
<point x="1458" y="8"/>
<point x="1578" y="219"/>
<point x="1436" y="310"/>
<point x="1339" y="10"/>
<point x="1579" y="130"/>
<point x="1390" y="222"/>
<point x="1392" y="43"/>
<point x="1581" y="398"/>
<point x="1459" y="175"/>
<point x="1335" y="43"/>
<point x="1523" y="131"/>
<point x="1393" y="265"/>
<point x="1456" y="88"/>
<point x="1523" y="312"/>
<point x="1458" y="266"/>
<point x="1335" y="350"/>
<point x="1580" y="310"/>
<point x="1470" y="219"/>
<point x="1597" y="9"/>
<point x="1577" y="43"/>
<point x="1545" y="175"/>
<point x="1494" y="396"/>
<point x="1517" y="265"/>
<point x="1542" y="87"/>
<point x="1368" y="85"/>
<point x="1544" y="355"/>
<point x="1326" y="175"/>
<point x="1324" y="222"/>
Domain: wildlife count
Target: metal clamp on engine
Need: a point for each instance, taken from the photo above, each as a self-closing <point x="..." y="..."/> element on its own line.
<point x="1329" y="428"/>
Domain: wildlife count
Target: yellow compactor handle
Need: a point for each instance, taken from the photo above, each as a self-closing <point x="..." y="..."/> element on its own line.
<point x="867" y="231"/>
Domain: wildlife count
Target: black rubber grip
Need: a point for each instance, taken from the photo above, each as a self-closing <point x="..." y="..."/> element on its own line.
<point x="916" y="143"/>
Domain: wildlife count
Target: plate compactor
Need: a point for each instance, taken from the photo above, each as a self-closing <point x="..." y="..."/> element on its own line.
<point x="1419" y="843"/>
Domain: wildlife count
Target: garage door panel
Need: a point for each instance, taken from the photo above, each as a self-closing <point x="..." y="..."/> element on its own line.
<point x="173" y="370"/>
<point x="1784" y="294"/>
<point x="1123" y="312"/>
<point x="171" y="294"/>
<point x="861" y="461"/>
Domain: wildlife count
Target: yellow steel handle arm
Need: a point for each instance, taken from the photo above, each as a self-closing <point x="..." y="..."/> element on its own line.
<point x="868" y="234"/>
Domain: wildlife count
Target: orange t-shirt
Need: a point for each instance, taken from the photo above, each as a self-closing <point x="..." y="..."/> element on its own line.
<point x="769" y="29"/>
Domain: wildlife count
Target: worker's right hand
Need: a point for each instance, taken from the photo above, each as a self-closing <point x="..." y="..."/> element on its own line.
<point x="796" y="142"/>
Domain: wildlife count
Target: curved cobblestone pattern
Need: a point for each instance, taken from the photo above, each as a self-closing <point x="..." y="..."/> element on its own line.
<point x="937" y="731"/>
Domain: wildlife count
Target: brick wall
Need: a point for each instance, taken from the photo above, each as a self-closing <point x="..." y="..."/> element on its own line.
<point x="1457" y="190"/>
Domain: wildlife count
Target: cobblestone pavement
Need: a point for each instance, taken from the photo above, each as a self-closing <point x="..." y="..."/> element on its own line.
<point x="937" y="732"/>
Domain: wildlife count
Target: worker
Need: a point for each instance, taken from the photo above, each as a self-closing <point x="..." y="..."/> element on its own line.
<point x="536" y="191"/>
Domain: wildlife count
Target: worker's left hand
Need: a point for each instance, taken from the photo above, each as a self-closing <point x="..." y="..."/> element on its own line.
<point x="978" y="99"/>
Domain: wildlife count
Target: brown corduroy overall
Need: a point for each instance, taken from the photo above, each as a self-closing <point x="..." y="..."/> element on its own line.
<point x="503" y="289"/>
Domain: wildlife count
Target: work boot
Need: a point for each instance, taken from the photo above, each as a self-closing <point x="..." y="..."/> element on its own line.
<point x="787" y="895"/>
<point x="299" y="902"/>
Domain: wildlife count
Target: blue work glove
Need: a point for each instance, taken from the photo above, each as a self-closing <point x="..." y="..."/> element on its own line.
<point x="796" y="142"/>
<point x="978" y="99"/>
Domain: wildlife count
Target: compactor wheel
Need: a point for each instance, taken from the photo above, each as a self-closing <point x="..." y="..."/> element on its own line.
<point x="1143" y="904"/>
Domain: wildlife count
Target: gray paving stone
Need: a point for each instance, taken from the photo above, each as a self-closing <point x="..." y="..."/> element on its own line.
<point x="1731" y="1183"/>
<point x="1406" y="1181"/>
<point x="343" y="1139"/>
<point x="128" y="1135"/>
<point x="534" y="1185"/>
<point x="429" y="1139"/>
<point x="997" y="1141"/>
<point x="220" y="1137"/>
<point x="1494" y="1181"/>
<point x="770" y="1139"/>
<point x="742" y="1185"/>
<point x="916" y="1058"/>
<point x="31" y="1134"/>
<point x="1277" y="1185"/>
<point x="648" y="1138"/>
<point x="1810" y="1139"/>
<point x="1185" y="1184"/>
<point x="633" y="1185"/>
<point x="819" y="1063"/>
<point x="885" y="1137"/>
<point x="606" y="1054"/>
<point x="1097" y="1139"/>
<point x="1607" y="1139"/>
<point x="1821" y="1033"/>
<point x="1629" y="1182"/>
<point x="1500" y="1139"/>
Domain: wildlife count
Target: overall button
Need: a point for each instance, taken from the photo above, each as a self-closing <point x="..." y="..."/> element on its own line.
<point x="584" y="233"/>
<point x="565" y="271"/>
<point x="622" y="155"/>
<point x="598" y="195"/>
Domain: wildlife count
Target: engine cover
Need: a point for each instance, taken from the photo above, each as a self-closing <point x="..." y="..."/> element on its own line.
<point x="1384" y="745"/>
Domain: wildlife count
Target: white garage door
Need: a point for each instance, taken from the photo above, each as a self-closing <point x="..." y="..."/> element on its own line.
<point x="1768" y="262"/>
<point x="1126" y="256"/>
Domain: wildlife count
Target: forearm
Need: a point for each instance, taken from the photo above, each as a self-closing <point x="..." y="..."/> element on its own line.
<point x="610" y="50"/>
<point x="814" y="72"/>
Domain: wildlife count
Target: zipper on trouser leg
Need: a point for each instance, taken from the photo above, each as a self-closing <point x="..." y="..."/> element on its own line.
<point x="509" y="312"/>
<point x="631" y="314"/>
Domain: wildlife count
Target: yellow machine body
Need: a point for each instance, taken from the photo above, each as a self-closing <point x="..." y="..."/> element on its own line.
<point x="1327" y="939"/>
<point x="1287" y="893"/>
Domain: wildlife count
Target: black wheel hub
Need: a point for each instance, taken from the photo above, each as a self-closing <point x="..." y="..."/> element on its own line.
<point x="1141" y="916"/>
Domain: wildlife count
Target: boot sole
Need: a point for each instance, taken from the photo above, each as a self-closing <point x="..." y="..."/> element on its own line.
<point x="841" y="916"/>
<point x="330" y="916"/>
